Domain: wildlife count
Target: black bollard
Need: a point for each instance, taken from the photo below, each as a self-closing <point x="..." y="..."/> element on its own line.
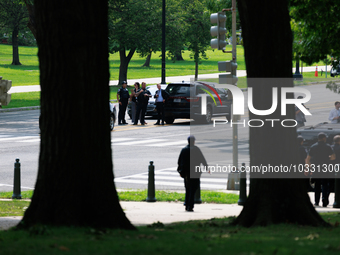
<point x="243" y="186"/>
<point x="336" y="193"/>
<point x="198" y="199"/>
<point x="151" y="184"/>
<point x="17" y="184"/>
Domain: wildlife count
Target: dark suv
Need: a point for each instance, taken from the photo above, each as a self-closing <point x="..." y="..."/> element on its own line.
<point x="310" y="133"/>
<point x="185" y="102"/>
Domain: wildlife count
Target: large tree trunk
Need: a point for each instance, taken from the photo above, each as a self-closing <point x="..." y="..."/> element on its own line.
<point x="124" y="64"/>
<point x="15" y="47"/>
<point x="75" y="184"/>
<point x="268" y="54"/>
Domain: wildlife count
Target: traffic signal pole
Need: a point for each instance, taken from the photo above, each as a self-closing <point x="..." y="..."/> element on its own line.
<point x="163" y="43"/>
<point x="234" y="74"/>
<point x="219" y="31"/>
<point x="235" y="117"/>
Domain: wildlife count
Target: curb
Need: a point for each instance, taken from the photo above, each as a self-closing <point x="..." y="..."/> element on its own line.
<point x="20" y="109"/>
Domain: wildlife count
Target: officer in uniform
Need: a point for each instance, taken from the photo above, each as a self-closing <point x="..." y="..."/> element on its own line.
<point x="143" y="96"/>
<point x="123" y="99"/>
<point x="320" y="155"/>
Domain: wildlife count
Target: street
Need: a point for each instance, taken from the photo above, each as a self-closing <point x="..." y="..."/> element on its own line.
<point x="133" y="147"/>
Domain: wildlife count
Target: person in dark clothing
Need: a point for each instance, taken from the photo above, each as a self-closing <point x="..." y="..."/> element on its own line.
<point x="123" y="99"/>
<point x="302" y="156"/>
<point x="161" y="96"/>
<point x="336" y="162"/>
<point x="143" y="96"/>
<point x="189" y="159"/>
<point x="320" y="153"/>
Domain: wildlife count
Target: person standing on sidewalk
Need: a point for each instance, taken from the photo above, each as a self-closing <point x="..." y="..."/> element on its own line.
<point x="123" y="100"/>
<point x="143" y="96"/>
<point x="300" y="116"/>
<point x="334" y="115"/>
<point x="161" y="96"/>
<point x="190" y="157"/>
<point x="134" y="101"/>
<point x="319" y="156"/>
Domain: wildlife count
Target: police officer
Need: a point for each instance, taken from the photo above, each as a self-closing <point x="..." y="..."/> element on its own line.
<point x="123" y="99"/>
<point x="318" y="159"/>
<point x="143" y="96"/>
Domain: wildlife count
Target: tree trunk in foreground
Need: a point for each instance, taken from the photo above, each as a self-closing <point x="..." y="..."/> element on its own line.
<point x="268" y="54"/>
<point x="75" y="179"/>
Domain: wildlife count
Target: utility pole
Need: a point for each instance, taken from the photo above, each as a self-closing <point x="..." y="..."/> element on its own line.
<point x="163" y="43"/>
<point x="219" y="31"/>
<point x="235" y="117"/>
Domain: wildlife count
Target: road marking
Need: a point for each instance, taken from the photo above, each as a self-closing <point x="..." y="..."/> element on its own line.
<point x="166" y="177"/>
<point x="29" y="141"/>
<point x="17" y="138"/>
<point x="121" y="139"/>
<point x="141" y="142"/>
<point x="168" y="143"/>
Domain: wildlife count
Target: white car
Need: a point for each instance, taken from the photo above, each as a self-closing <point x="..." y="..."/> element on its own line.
<point x="113" y="115"/>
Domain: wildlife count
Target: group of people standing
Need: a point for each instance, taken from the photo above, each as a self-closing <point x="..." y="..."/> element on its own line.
<point x="321" y="158"/>
<point x="334" y="114"/>
<point x="139" y="98"/>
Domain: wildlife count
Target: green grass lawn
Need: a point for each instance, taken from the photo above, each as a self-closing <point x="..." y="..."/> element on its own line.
<point x="28" y="72"/>
<point x="215" y="236"/>
<point x="10" y="208"/>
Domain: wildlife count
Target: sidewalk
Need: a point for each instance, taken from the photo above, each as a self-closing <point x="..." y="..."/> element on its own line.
<point x="240" y="73"/>
<point x="143" y="213"/>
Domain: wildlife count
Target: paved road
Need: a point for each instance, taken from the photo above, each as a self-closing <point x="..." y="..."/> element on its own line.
<point x="133" y="147"/>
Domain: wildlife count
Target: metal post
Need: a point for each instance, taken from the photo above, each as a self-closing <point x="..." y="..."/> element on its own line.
<point x="17" y="184"/>
<point x="198" y="199"/>
<point x="163" y="43"/>
<point x="336" y="193"/>
<point x="151" y="184"/>
<point x="235" y="117"/>
<point x="243" y="186"/>
<point x="297" y="74"/>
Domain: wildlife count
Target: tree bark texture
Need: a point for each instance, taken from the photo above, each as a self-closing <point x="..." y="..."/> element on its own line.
<point x="15" y="47"/>
<point x="75" y="184"/>
<point x="267" y="41"/>
<point x="124" y="64"/>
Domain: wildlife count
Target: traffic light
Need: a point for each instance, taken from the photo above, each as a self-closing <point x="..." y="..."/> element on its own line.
<point x="218" y="31"/>
<point x="5" y="85"/>
<point x="228" y="66"/>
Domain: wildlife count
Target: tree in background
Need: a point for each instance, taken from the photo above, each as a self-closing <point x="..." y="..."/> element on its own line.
<point x="268" y="54"/>
<point x="75" y="184"/>
<point x="319" y="28"/>
<point x="14" y="17"/>
<point x="134" y="26"/>
<point x="197" y="30"/>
